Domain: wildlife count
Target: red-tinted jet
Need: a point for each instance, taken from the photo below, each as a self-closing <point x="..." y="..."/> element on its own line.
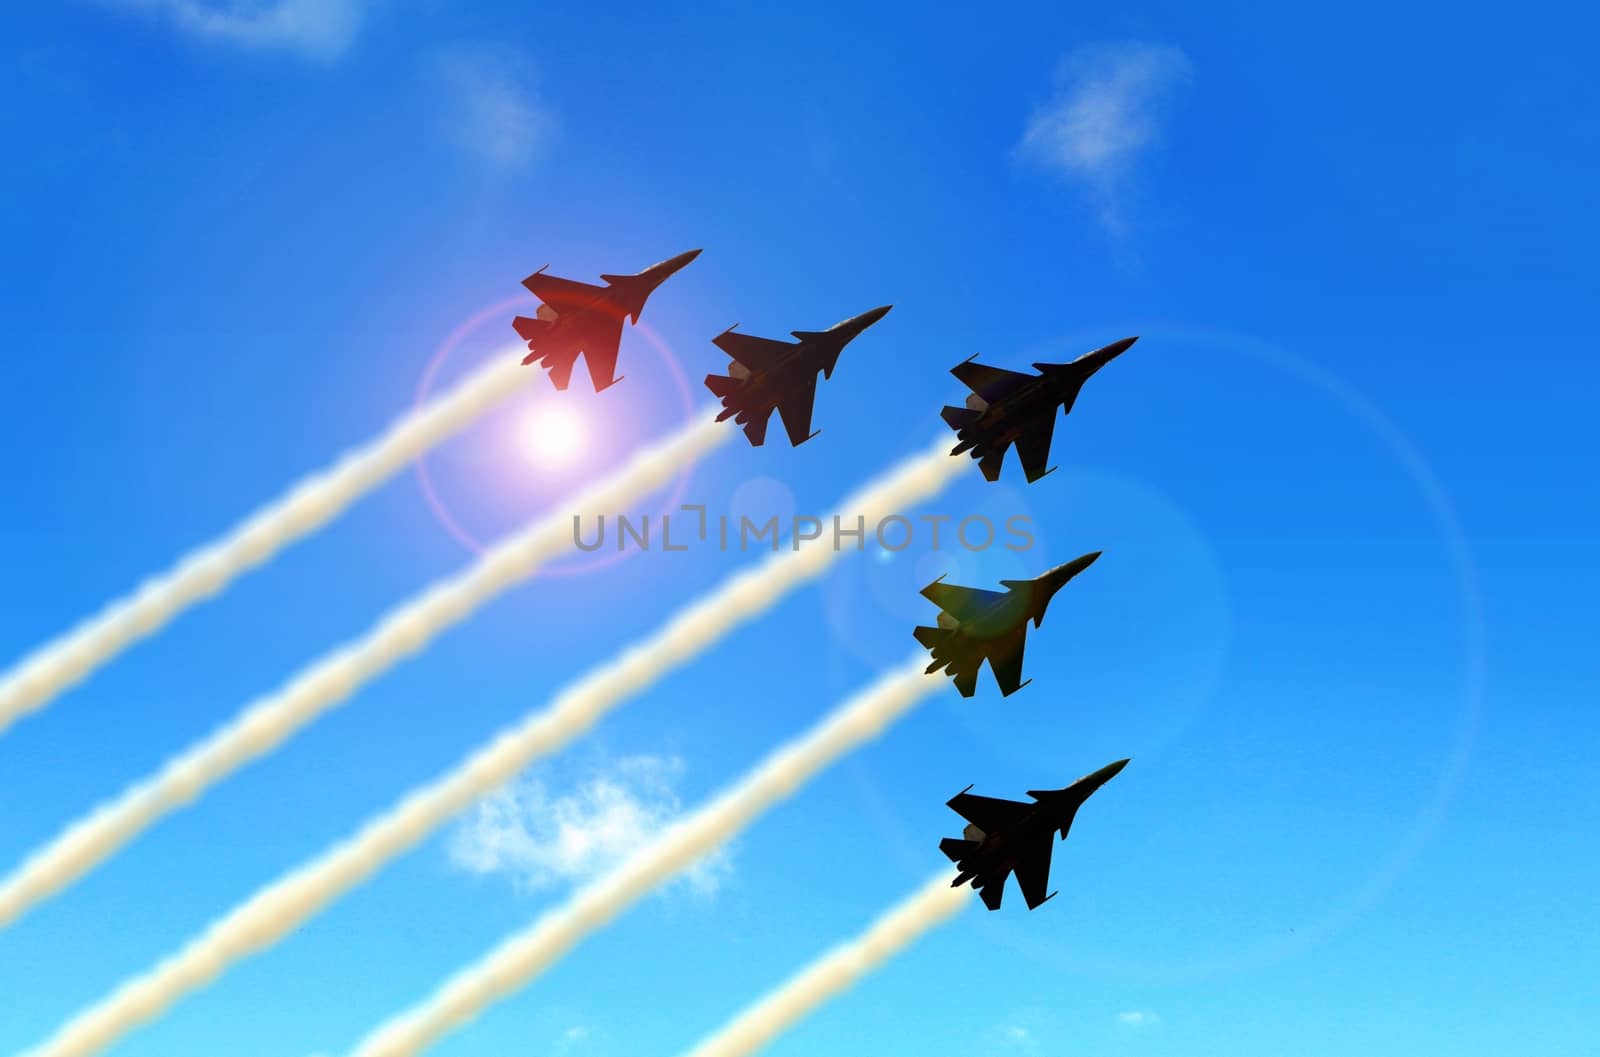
<point x="579" y="318"/>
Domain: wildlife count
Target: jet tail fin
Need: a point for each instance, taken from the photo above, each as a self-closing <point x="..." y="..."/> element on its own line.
<point x="957" y="849"/>
<point x="932" y="638"/>
<point x="721" y="385"/>
<point x="558" y="370"/>
<point x="529" y="328"/>
<point x="958" y="418"/>
<point x="727" y="390"/>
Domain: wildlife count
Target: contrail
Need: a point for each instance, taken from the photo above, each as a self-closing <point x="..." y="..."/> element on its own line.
<point x="280" y="907"/>
<point x="271" y="720"/>
<point x="930" y="906"/>
<point x="307" y="506"/>
<point x="521" y="957"/>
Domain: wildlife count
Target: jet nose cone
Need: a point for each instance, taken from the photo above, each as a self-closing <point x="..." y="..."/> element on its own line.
<point x="1104" y="775"/>
<point x="856" y="324"/>
<point x="684" y="258"/>
<point x="1075" y="566"/>
<point x="671" y="264"/>
<point x="1105" y="354"/>
<point x="1046" y="584"/>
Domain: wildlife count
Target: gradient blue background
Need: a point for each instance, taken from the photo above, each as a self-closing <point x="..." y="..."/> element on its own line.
<point x="1345" y="485"/>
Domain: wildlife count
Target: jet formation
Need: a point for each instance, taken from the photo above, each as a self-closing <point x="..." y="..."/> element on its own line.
<point x="1008" y="407"/>
<point x="975" y="625"/>
<point x="1012" y="836"/>
<point x="1005" y="409"/>
<point x="768" y="375"/>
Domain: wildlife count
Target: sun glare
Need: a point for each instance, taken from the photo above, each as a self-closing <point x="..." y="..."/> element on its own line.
<point x="552" y="434"/>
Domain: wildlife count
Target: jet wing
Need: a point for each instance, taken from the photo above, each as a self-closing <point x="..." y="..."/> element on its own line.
<point x="758" y="354"/>
<point x="964" y="672"/>
<point x="1005" y="660"/>
<point x="559" y="368"/>
<point x="987" y="381"/>
<point x="756" y="428"/>
<point x="795" y="406"/>
<point x="963" y="603"/>
<point x="1033" y="871"/>
<point x="1033" y="446"/>
<point x="597" y="341"/>
<point x="600" y="342"/>
<point x="561" y="293"/>
<point x="986" y="812"/>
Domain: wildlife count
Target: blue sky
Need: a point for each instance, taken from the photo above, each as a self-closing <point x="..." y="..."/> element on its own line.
<point x="1344" y="485"/>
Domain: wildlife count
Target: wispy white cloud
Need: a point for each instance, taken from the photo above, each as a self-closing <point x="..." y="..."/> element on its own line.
<point x="1017" y="1033"/>
<point x="1105" y="114"/>
<point x="1138" y="1018"/>
<point x="574" y="1039"/>
<point x="542" y="840"/>
<point x="491" y="108"/>
<point x="1018" y="1039"/>
<point x="318" y="28"/>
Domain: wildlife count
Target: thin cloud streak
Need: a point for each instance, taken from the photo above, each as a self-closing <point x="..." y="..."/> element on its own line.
<point x="315" y="28"/>
<point x="491" y="109"/>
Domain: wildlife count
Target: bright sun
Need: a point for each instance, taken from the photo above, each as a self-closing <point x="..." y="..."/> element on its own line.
<point x="552" y="434"/>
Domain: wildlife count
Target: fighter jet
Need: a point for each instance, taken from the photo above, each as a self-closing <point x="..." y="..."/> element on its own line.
<point x="1008" y="407"/>
<point x="767" y="374"/>
<point x="977" y="625"/>
<point x="579" y="318"/>
<point x="1005" y="836"/>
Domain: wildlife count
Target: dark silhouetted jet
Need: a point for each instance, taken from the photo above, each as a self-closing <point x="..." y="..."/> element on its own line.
<point x="579" y="318"/>
<point x="767" y="374"/>
<point x="1006" y="836"/>
<point x="1007" y="408"/>
<point x="977" y="625"/>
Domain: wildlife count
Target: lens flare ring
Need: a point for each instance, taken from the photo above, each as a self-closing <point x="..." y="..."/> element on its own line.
<point x="1349" y="904"/>
<point x="430" y="493"/>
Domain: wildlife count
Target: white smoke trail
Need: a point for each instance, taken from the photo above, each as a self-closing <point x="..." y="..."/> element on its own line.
<point x="53" y="668"/>
<point x="277" y="909"/>
<point x="268" y="722"/>
<point x="930" y="906"/>
<point x="520" y="958"/>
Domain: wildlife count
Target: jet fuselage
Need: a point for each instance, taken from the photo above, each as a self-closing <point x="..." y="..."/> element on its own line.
<point x="766" y="388"/>
<point x="1005" y="414"/>
<point x="997" y="854"/>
